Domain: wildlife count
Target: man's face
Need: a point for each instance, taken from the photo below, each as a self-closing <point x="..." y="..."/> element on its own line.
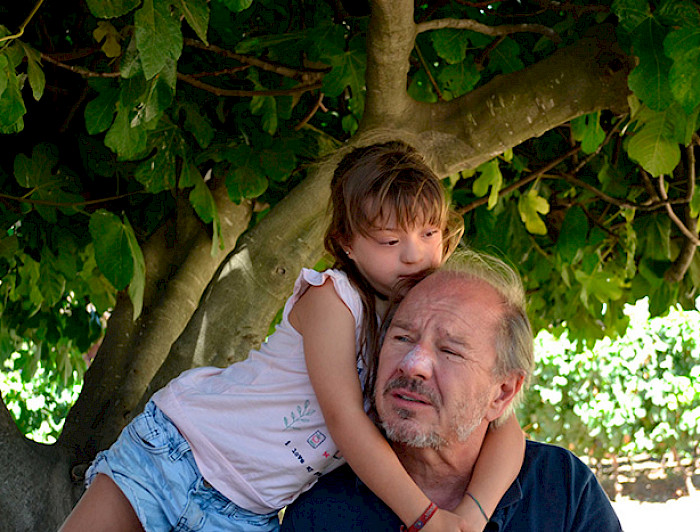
<point x="435" y="381"/>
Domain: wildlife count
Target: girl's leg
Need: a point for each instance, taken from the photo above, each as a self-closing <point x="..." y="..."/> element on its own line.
<point x="102" y="507"/>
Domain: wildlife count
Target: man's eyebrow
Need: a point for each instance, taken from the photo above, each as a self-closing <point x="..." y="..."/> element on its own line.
<point x="401" y="323"/>
<point x="460" y="340"/>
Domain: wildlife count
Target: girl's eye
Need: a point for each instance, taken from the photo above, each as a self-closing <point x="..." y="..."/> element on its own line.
<point x="431" y="232"/>
<point x="402" y="338"/>
<point x="390" y="242"/>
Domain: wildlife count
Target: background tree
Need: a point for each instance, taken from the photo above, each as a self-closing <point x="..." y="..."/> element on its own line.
<point x="154" y="148"/>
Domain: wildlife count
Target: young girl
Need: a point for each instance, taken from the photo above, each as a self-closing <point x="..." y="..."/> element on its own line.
<point x="225" y="449"/>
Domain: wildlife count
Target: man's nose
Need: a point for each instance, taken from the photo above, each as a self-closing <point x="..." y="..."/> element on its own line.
<point x="418" y="362"/>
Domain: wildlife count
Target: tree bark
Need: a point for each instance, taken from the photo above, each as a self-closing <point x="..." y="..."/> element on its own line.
<point x="179" y="266"/>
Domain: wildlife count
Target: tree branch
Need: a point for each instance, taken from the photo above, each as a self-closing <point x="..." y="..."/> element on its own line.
<point x="506" y="29"/>
<point x="680" y="266"/>
<point x="318" y="105"/>
<point x="303" y="75"/>
<point x="671" y="214"/>
<point x="84" y="72"/>
<point x="245" y="93"/>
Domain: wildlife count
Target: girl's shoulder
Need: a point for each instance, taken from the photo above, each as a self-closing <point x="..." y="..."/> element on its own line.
<point x="345" y="290"/>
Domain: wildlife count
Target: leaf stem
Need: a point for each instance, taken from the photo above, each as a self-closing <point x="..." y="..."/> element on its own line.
<point x="24" y="24"/>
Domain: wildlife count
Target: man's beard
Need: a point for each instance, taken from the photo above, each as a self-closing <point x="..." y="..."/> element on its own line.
<point x="405" y="431"/>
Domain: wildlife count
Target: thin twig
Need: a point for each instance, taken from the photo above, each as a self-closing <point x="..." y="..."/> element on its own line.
<point x="24" y="24"/>
<point x="566" y="6"/>
<point x="597" y="151"/>
<point x="427" y="70"/>
<point x="85" y="203"/>
<point x="84" y="72"/>
<point x="217" y="73"/>
<point x="246" y="93"/>
<point x="506" y="29"/>
<point x="311" y="113"/>
<point x="671" y="214"/>
<point x="522" y="182"/>
<point x="304" y="75"/>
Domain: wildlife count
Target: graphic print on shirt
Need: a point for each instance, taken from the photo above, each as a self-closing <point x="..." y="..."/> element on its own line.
<point x="300" y="416"/>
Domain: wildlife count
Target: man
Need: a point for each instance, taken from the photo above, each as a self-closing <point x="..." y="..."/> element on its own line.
<point x="454" y="359"/>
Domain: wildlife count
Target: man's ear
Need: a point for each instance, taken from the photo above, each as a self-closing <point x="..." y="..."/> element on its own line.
<point x="506" y="392"/>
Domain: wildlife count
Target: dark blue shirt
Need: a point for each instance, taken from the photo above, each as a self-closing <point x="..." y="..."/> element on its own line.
<point x="554" y="491"/>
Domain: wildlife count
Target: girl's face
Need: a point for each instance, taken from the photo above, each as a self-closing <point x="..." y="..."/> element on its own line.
<point x="389" y="252"/>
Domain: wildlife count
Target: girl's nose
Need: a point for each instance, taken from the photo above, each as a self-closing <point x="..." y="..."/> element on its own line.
<point x="411" y="252"/>
<point x="417" y="363"/>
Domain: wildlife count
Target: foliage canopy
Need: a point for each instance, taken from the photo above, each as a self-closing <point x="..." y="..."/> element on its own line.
<point x="141" y="138"/>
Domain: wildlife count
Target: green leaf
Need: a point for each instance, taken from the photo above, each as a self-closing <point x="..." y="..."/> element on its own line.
<point x="198" y="124"/>
<point x="197" y="16"/>
<point x="158" y="173"/>
<point x="586" y="129"/>
<point x="631" y="13"/>
<point x="505" y="57"/>
<point x="649" y="79"/>
<point x="12" y="107"/>
<point x="112" y="247"/>
<point x="36" y="172"/>
<point x="572" y="236"/>
<point x="267" y="107"/>
<point x="107" y="32"/>
<point x="603" y="286"/>
<point x="278" y="162"/>
<point x="237" y="5"/>
<point x="490" y="178"/>
<point x="203" y="202"/>
<point x="695" y="204"/>
<point x="99" y="113"/>
<point x="450" y="44"/>
<point x="53" y="284"/>
<point x="126" y="141"/>
<point x="459" y="79"/>
<point x="111" y="8"/>
<point x="530" y="206"/>
<point x="678" y="13"/>
<point x="652" y="145"/>
<point x="37" y="81"/>
<point x="245" y="180"/>
<point x="348" y="71"/>
<point x="158" y="36"/>
<point x="683" y="47"/>
<point x="137" y="283"/>
<point x="421" y="88"/>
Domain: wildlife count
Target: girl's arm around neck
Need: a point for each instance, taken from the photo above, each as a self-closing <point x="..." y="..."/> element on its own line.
<point x="498" y="465"/>
<point x="328" y="329"/>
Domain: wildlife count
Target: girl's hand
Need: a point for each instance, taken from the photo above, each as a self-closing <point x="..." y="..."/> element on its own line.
<point x="444" y="521"/>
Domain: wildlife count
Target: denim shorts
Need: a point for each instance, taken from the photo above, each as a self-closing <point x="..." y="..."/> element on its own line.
<point x="153" y="465"/>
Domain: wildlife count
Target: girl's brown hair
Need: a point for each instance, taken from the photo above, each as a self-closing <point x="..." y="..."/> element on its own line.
<point x="369" y="184"/>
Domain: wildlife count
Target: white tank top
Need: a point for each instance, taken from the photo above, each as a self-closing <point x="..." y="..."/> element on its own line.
<point x="255" y="428"/>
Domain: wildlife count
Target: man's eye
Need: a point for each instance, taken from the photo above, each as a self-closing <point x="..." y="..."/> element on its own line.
<point x="451" y="353"/>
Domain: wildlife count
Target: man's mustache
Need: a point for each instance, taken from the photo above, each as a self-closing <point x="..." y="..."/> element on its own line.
<point x="414" y="386"/>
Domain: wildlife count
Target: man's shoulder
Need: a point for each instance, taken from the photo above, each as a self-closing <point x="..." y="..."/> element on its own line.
<point x="339" y="502"/>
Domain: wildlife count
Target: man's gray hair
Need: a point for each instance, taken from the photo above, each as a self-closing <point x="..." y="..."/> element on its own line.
<point x="514" y="339"/>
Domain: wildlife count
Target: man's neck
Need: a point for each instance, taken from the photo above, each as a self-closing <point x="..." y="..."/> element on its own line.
<point x="443" y="475"/>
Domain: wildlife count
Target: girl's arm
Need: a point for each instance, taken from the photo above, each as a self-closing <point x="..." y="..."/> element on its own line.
<point x="328" y="329"/>
<point x="495" y="470"/>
